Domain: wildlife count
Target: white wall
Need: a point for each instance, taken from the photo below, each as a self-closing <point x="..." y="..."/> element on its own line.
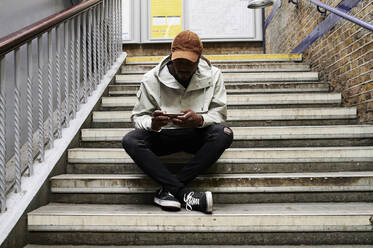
<point x="16" y="14"/>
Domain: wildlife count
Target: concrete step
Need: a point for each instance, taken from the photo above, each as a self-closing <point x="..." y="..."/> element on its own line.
<point x="226" y="58"/>
<point x="218" y="197"/>
<point x="336" y="135"/>
<point x="245" y="88"/>
<point x="230" y="224"/>
<point x="232" y="188"/>
<point x="237" y="155"/>
<point x="222" y="183"/>
<point x="252" y="117"/>
<point x="243" y="77"/>
<point x="201" y="246"/>
<point x="244" y="101"/>
<point x="229" y="67"/>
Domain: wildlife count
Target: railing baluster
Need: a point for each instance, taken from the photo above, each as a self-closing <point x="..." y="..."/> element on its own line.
<point x="40" y="100"/>
<point x="114" y="14"/>
<point x="103" y="47"/>
<point x="94" y="48"/>
<point x="112" y="32"/>
<point x="58" y="83"/>
<point x="90" y="78"/>
<point x="115" y="11"/>
<point x="84" y="62"/>
<point x="118" y="36"/>
<point x="77" y="56"/>
<point x="106" y="54"/>
<point x="17" y="145"/>
<point x="50" y="91"/>
<point x="120" y="26"/>
<point x="115" y="29"/>
<point x="66" y="74"/>
<point x="99" y="40"/>
<point x="72" y="68"/>
<point x="2" y="136"/>
<point x="30" y="159"/>
<point x="103" y="35"/>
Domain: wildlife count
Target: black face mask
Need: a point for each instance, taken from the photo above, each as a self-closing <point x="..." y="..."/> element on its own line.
<point x="183" y="70"/>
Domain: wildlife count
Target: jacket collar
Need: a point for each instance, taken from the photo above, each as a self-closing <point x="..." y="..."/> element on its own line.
<point x="200" y="79"/>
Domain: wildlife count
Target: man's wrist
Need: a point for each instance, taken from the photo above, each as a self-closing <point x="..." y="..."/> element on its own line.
<point x="200" y="124"/>
<point x="155" y="128"/>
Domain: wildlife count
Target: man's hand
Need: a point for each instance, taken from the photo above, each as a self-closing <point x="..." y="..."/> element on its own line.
<point x="159" y="120"/>
<point x="189" y="119"/>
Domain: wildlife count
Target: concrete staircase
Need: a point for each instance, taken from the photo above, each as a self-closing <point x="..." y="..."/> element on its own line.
<point x="299" y="172"/>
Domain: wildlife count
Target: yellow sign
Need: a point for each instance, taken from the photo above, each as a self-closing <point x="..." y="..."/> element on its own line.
<point x="166" y="18"/>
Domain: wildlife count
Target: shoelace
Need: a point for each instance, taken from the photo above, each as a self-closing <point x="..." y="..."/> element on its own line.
<point x="169" y="194"/>
<point x="190" y="201"/>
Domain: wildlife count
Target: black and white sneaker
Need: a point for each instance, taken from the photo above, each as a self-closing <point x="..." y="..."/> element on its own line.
<point x="200" y="201"/>
<point x="166" y="200"/>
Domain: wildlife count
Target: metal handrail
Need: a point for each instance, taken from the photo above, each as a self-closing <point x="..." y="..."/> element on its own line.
<point x="76" y="62"/>
<point x="343" y="15"/>
<point x="22" y="36"/>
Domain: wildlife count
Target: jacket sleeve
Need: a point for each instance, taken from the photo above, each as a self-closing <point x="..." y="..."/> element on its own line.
<point x="143" y="109"/>
<point x="217" y="111"/>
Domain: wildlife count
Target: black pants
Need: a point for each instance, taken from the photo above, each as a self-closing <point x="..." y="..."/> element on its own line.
<point x="207" y="144"/>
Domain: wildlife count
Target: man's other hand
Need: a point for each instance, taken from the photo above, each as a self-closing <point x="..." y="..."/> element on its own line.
<point x="189" y="119"/>
<point x="159" y="120"/>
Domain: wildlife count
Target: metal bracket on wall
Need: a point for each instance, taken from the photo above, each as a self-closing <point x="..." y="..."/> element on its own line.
<point x="296" y="2"/>
<point x="321" y="10"/>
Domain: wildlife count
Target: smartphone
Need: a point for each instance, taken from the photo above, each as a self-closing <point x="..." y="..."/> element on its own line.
<point x="174" y="115"/>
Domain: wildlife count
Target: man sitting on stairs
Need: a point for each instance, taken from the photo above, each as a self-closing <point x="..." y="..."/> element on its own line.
<point x="180" y="105"/>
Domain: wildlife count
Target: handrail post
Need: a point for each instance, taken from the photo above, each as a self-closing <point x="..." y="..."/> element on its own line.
<point x="17" y="135"/>
<point x="106" y="55"/>
<point x="115" y="30"/>
<point x="111" y="31"/>
<point x="29" y="106"/>
<point x="2" y="136"/>
<point x="77" y="66"/>
<point x="116" y="27"/>
<point x="100" y="42"/>
<point x="66" y="74"/>
<point x="84" y="57"/>
<point x="40" y="100"/>
<point x="58" y="83"/>
<point x="120" y="25"/>
<point x="72" y="68"/>
<point x="50" y="91"/>
<point x="90" y="78"/>
<point x="94" y="51"/>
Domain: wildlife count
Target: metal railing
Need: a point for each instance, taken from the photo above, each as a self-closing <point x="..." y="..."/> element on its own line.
<point x="321" y="7"/>
<point x="339" y="13"/>
<point x="76" y="62"/>
<point x="343" y="15"/>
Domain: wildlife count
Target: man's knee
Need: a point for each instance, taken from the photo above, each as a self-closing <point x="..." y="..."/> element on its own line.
<point x="222" y="134"/>
<point x="132" y="139"/>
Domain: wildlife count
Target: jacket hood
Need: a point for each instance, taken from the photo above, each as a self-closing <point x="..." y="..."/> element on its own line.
<point x="200" y="79"/>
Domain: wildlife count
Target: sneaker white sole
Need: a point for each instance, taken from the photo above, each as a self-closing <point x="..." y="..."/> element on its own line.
<point x="167" y="204"/>
<point x="209" y="202"/>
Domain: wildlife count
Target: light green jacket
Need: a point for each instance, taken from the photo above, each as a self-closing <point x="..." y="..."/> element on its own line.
<point x="159" y="90"/>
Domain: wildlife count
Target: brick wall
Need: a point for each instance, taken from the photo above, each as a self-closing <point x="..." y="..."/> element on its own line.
<point x="343" y="56"/>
